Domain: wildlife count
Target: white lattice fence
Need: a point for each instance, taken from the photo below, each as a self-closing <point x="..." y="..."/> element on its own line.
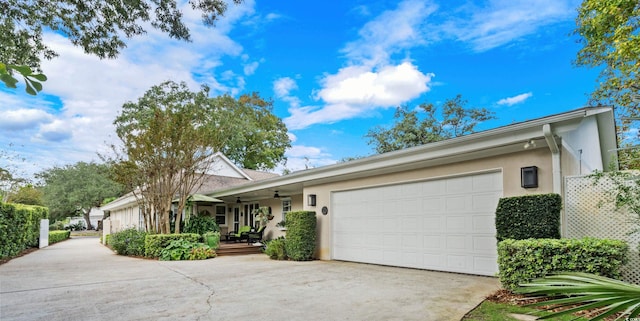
<point x="587" y="213"/>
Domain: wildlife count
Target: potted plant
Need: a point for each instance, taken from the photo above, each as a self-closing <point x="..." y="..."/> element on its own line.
<point x="263" y="215"/>
<point x="282" y="225"/>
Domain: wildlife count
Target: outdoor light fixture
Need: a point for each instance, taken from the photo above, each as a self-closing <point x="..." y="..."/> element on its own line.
<point x="238" y="200"/>
<point x="276" y="195"/>
<point x="530" y="144"/>
<point x="529" y="177"/>
<point x="311" y="200"/>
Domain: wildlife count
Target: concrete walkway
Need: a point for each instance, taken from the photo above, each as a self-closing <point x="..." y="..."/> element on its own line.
<point x="80" y="279"/>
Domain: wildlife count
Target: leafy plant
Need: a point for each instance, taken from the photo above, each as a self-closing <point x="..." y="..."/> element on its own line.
<point x="56" y="226"/>
<point x="282" y="223"/>
<point x="155" y="243"/>
<point x="276" y="249"/>
<point x="128" y="242"/>
<point x="262" y="215"/>
<point x="182" y="249"/>
<point x="201" y="224"/>
<point x="201" y="253"/>
<point x="57" y="236"/>
<point x="212" y="239"/>
<point x="31" y="79"/>
<point x="582" y="291"/>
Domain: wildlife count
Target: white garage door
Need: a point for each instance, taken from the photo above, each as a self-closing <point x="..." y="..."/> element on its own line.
<point x="445" y="224"/>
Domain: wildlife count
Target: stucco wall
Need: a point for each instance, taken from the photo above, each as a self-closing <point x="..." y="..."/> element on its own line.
<point x="509" y="165"/>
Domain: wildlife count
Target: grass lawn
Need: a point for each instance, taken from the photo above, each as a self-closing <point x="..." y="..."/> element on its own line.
<point x="492" y="311"/>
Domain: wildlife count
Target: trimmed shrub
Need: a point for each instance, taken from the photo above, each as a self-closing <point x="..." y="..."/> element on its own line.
<point x="201" y="225"/>
<point x="57" y="236"/>
<point x="19" y="227"/>
<point x="128" y="242"/>
<point x="521" y="261"/>
<point x="276" y="250"/>
<point x="182" y="249"/>
<point x="212" y="239"/>
<point x="529" y="216"/>
<point x="301" y="235"/>
<point x="154" y="243"/>
<point x="56" y="226"/>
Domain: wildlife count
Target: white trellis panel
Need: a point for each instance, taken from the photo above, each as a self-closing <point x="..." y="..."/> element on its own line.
<point x="589" y="213"/>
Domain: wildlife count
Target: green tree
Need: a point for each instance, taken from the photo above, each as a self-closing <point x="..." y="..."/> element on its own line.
<point x="409" y="130"/>
<point x="28" y="194"/>
<point x="99" y="27"/>
<point x="76" y="188"/>
<point x="609" y="32"/>
<point x="170" y="135"/>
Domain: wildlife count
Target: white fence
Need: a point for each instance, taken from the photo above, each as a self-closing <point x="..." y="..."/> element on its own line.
<point x="589" y="213"/>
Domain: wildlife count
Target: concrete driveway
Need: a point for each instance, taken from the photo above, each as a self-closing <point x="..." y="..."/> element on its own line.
<point x="80" y="279"/>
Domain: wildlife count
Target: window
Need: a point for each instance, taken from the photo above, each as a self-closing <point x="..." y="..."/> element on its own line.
<point x="286" y="208"/>
<point x="221" y="214"/>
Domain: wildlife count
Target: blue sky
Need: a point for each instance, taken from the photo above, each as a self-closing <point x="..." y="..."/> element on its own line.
<point x="334" y="70"/>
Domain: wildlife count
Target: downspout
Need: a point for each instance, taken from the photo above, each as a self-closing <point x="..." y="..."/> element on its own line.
<point x="556" y="170"/>
<point x="555" y="158"/>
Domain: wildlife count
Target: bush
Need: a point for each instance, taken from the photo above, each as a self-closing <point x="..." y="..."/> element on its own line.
<point x="57" y="236"/>
<point x="529" y="216"/>
<point x="128" y="242"/>
<point x="276" y="250"/>
<point x="201" y="224"/>
<point x="56" y="226"/>
<point x="19" y="227"/>
<point x="212" y="239"/>
<point x="182" y="249"/>
<point x="79" y="226"/>
<point x="301" y="235"/>
<point x="521" y="261"/>
<point x="154" y="243"/>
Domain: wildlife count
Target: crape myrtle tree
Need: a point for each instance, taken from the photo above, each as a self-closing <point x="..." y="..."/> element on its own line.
<point x="99" y="27"/>
<point x="411" y="130"/>
<point x="609" y="32"/>
<point x="169" y="137"/>
<point x="72" y="189"/>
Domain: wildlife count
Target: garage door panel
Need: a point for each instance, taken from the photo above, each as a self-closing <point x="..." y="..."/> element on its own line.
<point x="446" y="224"/>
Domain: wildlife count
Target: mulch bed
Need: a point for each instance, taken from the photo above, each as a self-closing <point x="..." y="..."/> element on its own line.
<point x="507" y="297"/>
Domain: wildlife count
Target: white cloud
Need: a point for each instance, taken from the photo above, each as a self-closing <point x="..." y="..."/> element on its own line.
<point x="502" y="21"/>
<point x="283" y="86"/>
<point x="250" y="68"/>
<point x="300" y="157"/>
<point x="510" y="101"/>
<point x="371" y="80"/>
<point x="388" y="86"/>
<point x="23" y="119"/>
<point x="390" y="32"/>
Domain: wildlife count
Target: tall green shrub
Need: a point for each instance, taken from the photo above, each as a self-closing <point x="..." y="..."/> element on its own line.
<point x="19" y="227"/>
<point x="301" y="235"/>
<point x="128" y="242"/>
<point x="529" y="216"/>
<point x="201" y="224"/>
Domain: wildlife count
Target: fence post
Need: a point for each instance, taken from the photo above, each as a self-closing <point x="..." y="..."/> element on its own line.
<point x="44" y="233"/>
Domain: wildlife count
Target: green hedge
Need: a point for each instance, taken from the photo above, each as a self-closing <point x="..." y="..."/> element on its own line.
<point x="57" y="236"/>
<point x="301" y="235"/>
<point x="19" y="227"/>
<point x="521" y="261"/>
<point x="154" y="243"/>
<point x="529" y="216"/>
<point x="129" y="242"/>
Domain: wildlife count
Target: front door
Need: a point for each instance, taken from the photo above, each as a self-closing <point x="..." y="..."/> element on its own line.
<point x="248" y="217"/>
<point x="236" y="218"/>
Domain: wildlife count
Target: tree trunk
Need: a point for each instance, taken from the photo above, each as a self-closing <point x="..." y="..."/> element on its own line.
<point x="87" y="218"/>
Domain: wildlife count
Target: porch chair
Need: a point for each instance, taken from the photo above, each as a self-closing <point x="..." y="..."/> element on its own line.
<point x="256" y="236"/>
<point x="241" y="234"/>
